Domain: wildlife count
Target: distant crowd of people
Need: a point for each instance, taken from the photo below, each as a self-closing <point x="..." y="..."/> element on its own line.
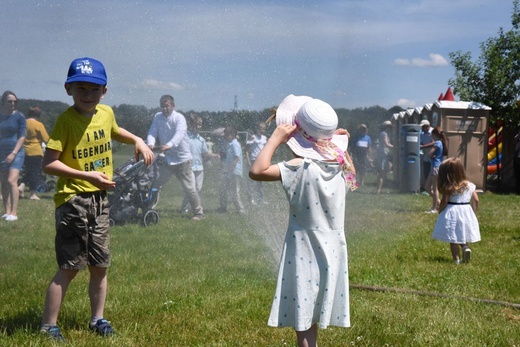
<point x="186" y="151"/>
<point x="23" y="139"/>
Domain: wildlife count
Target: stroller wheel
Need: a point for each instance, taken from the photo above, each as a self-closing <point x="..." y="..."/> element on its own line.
<point x="51" y="186"/>
<point x="150" y="217"/>
<point x="41" y="187"/>
<point x="112" y="222"/>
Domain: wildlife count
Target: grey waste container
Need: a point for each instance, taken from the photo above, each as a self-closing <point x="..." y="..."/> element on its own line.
<point x="410" y="180"/>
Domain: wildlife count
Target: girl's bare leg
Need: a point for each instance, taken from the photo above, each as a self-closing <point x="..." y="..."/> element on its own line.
<point x="454" y="247"/>
<point x="308" y="338"/>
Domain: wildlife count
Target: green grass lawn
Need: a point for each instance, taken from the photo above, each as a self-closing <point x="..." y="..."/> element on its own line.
<point x="210" y="283"/>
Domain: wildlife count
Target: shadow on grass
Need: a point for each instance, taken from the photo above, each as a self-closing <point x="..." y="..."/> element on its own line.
<point x="30" y="320"/>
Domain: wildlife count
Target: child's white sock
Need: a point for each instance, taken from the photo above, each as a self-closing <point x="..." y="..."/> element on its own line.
<point x="94" y="320"/>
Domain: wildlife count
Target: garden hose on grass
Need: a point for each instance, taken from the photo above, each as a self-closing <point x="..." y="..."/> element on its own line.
<point x="439" y="295"/>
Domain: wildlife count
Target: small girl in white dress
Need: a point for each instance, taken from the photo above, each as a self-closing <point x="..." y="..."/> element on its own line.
<point x="312" y="289"/>
<point x="457" y="222"/>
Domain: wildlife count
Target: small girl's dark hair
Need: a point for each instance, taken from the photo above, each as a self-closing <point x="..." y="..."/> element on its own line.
<point x="440" y="134"/>
<point x="272" y="117"/>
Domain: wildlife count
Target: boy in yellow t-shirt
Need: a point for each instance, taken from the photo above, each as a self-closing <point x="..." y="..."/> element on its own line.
<point x="79" y="151"/>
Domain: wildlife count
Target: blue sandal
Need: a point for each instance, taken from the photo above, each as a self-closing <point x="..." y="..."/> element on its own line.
<point x="53" y="333"/>
<point x="102" y="328"/>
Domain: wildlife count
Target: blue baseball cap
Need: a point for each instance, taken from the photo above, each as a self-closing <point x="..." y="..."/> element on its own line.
<point x="87" y="70"/>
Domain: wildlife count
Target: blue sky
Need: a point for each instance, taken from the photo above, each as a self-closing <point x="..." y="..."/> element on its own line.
<point x="350" y="53"/>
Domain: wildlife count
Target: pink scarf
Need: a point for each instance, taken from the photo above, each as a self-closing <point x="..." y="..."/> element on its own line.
<point x="328" y="150"/>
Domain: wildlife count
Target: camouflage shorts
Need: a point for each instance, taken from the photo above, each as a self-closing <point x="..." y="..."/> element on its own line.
<point x="82" y="232"/>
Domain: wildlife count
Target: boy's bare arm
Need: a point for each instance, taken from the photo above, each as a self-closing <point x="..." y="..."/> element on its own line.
<point x="140" y="146"/>
<point x="53" y="166"/>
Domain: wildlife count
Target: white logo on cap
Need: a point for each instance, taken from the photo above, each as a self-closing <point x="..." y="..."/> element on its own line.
<point x="85" y="66"/>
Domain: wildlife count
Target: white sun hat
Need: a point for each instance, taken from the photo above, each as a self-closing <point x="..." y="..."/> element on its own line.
<point x="316" y="121"/>
<point x="425" y="122"/>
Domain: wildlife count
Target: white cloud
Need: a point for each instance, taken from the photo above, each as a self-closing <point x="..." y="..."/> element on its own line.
<point x="206" y="52"/>
<point x="435" y="60"/>
<point x="405" y="103"/>
<point x="160" y="85"/>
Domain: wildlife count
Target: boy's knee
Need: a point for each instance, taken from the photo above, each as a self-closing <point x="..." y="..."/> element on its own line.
<point x="96" y="271"/>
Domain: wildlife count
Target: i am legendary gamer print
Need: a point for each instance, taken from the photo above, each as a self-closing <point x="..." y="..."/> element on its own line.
<point x="94" y="151"/>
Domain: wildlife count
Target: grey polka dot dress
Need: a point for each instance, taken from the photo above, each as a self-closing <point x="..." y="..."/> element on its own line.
<point x="312" y="286"/>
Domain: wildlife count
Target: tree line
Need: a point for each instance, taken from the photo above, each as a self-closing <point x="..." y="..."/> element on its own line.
<point x="137" y="118"/>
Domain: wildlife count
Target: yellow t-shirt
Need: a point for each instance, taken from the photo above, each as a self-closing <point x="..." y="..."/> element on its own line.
<point x="85" y="144"/>
<point x="34" y="136"/>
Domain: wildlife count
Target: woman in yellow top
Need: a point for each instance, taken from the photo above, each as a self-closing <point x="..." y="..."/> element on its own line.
<point x="34" y="137"/>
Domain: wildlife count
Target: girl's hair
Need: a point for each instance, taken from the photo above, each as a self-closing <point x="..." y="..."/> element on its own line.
<point x="272" y="117"/>
<point x="437" y="131"/>
<point x="3" y="101"/>
<point x="34" y="112"/>
<point x="452" y="177"/>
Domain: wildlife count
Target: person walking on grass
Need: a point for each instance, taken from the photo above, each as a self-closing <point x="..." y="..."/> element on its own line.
<point x="255" y="189"/>
<point x="312" y="289"/>
<point x="383" y="161"/>
<point x="426" y="143"/>
<point x="79" y="152"/>
<point x="457" y="222"/>
<point x="12" y="154"/>
<point x="361" y="153"/>
<point x="168" y="134"/>
<point x="231" y="173"/>
<point x="36" y="136"/>
<point x="200" y="152"/>
<point x="436" y="154"/>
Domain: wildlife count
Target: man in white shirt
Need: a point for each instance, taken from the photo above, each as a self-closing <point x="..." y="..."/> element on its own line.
<point x="255" y="189"/>
<point x="168" y="135"/>
<point x="425" y="144"/>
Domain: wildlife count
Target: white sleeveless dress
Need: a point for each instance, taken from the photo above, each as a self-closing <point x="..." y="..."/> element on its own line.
<point x="457" y="223"/>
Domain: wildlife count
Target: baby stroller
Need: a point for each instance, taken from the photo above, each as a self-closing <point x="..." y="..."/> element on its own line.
<point x="134" y="192"/>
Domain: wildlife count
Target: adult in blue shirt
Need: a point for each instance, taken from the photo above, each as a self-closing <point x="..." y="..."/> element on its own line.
<point x="436" y="155"/>
<point x="361" y="153"/>
<point x="12" y="136"/>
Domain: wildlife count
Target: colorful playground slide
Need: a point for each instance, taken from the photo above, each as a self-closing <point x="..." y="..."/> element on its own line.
<point x="494" y="155"/>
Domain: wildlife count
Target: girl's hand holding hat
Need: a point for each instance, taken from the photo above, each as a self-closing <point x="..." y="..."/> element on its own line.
<point x="341" y="131"/>
<point x="283" y="133"/>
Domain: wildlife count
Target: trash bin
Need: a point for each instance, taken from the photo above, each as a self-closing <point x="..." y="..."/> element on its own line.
<point x="410" y="180"/>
